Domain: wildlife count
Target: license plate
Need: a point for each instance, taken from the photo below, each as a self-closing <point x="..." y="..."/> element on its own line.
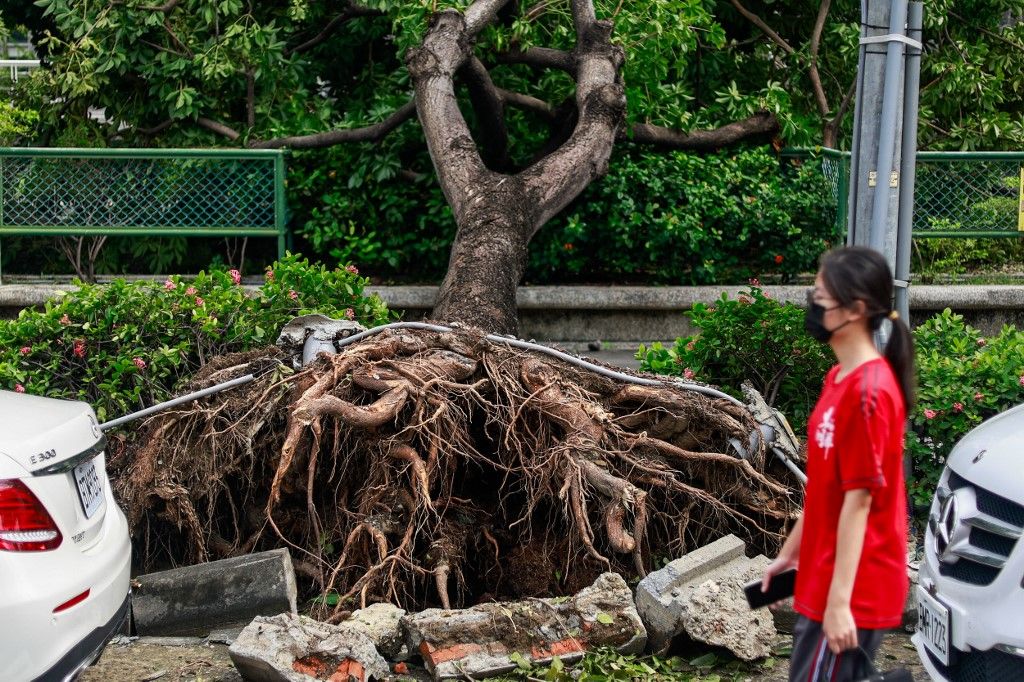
<point x="90" y="488"/>
<point x="933" y="624"/>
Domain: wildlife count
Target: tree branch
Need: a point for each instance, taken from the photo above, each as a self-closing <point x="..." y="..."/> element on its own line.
<point x="558" y="178"/>
<point x="165" y="8"/>
<point x="432" y="65"/>
<point x="218" y="127"/>
<point x="157" y="129"/>
<point x="528" y="103"/>
<point x="540" y="57"/>
<point x="250" y="98"/>
<point x="350" y="12"/>
<point x="765" y="28"/>
<point x="371" y="133"/>
<point x="819" y="26"/>
<point x="490" y="109"/>
<point x="760" y="124"/>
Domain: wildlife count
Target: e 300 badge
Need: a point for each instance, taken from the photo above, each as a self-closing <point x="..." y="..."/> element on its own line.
<point x="42" y="457"/>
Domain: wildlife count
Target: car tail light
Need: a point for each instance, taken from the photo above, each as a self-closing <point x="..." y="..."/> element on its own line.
<point x="25" y="525"/>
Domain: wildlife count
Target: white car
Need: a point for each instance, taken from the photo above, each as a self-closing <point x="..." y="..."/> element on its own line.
<point x="64" y="550"/>
<point x="971" y="582"/>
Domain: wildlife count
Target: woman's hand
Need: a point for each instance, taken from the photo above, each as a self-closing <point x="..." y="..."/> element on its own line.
<point x="839" y="628"/>
<point x="781" y="563"/>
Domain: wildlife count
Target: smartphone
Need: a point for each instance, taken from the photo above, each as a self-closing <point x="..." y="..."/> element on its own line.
<point x="781" y="586"/>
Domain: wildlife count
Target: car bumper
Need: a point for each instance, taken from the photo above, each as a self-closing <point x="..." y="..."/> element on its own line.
<point x="86" y="651"/>
<point x="36" y="637"/>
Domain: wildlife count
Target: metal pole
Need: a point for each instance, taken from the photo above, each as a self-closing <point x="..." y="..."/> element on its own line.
<point x="173" y="402"/>
<point x="908" y="161"/>
<point x="882" y="233"/>
<point x="864" y="179"/>
<point x="280" y="203"/>
<point x="858" y="115"/>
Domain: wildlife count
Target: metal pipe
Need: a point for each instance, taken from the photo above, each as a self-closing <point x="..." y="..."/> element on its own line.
<point x="908" y="160"/>
<point x="173" y="402"/>
<point x="891" y="96"/>
<point x="791" y="465"/>
<point x="571" y="359"/>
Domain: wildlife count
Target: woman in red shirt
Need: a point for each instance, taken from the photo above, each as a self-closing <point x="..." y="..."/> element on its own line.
<point x="850" y="542"/>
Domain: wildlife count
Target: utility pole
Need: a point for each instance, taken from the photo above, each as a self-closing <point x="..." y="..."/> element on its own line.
<point x="885" y="134"/>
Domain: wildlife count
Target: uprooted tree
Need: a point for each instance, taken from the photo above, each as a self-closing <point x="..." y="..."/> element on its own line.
<point x="422" y="466"/>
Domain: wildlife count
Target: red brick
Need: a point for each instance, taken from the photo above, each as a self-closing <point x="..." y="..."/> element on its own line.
<point x="349" y="671"/>
<point x="566" y="646"/>
<point x="451" y="653"/>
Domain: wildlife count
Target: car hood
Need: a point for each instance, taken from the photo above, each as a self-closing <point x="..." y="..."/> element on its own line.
<point x="38" y="433"/>
<point x="992" y="455"/>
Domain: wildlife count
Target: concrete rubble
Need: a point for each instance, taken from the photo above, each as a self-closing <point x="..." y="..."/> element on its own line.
<point x="291" y="648"/>
<point x="701" y="595"/>
<point x="382" y="623"/>
<point x="195" y="600"/>
<point x="488" y="639"/>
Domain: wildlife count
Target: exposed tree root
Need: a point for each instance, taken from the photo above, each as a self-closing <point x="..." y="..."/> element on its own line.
<point x="441" y="469"/>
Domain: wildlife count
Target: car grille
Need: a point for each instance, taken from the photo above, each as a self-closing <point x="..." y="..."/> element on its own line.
<point x="982" y="666"/>
<point x="974" y="534"/>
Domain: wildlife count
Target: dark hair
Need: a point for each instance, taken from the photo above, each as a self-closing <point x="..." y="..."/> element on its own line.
<point x="857" y="273"/>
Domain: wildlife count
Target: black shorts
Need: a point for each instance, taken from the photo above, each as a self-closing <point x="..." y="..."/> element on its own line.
<point x="813" y="661"/>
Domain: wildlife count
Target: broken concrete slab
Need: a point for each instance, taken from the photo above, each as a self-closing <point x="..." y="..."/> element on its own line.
<point x="701" y="594"/>
<point x="292" y="648"/>
<point x="195" y="600"/>
<point x="382" y="623"/>
<point x="483" y="641"/>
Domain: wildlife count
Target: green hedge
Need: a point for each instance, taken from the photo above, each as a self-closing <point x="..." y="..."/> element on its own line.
<point x="125" y="345"/>
<point x="963" y="378"/>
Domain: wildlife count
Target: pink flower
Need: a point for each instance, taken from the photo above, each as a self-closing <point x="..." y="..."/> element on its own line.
<point x="745" y="300"/>
<point x="79" y="349"/>
<point x="199" y="302"/>
<point x="755" y="282"/>
<point x="978" y="396"/>
<point x="236" y="276"/>
<point x="350" y="314"/>
<point x="168" y="284"/>
<point x="140" y="363"/>
<point x="982" y="342"/>
<point x="269" y="274"/>
<point x="691" y="344"/>
<point x="930" y="414"/>
<point x="65" y="320"/>
<point x="352" y="269"/>
<point x="25" y="350"/>
<point x="688" y="374"/>
<point x="958" y="407"/>
<point x="191" y="291"/>
<point x="1021" y="380"/>
<point x="18" y="388"/>
<point x="292" y="294"/>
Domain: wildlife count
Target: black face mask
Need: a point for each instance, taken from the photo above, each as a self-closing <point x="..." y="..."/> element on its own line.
<point x="814" y="320"/>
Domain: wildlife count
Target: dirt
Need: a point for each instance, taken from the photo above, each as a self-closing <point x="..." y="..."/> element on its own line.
<point x="141" y="661"/>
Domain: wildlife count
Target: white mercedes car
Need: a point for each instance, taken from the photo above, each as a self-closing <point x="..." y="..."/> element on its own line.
<point x="64" y="549"/>
<point x="971" y="583"/>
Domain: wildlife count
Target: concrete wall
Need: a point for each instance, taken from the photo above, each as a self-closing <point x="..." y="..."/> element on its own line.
<point x="622" y="317"/>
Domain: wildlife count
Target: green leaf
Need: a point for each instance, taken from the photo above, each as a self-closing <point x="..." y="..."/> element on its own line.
<point x="604" y="619"/>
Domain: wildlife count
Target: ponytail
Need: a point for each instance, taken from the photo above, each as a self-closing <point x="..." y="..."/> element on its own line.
<point x="899" y="352"/>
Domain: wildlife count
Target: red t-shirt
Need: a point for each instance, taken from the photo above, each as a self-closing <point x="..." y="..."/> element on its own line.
<point x="855" y="440"/>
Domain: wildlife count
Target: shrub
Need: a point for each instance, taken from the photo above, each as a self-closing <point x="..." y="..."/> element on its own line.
<point x="123" y="345"/>
<point x="963" y="379"/>
<point x="754" y="338"/>
<point x="686" y="218"/>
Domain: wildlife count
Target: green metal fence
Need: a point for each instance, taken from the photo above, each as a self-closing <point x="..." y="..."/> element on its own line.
<point x="956" y="194"/>
<point x="143" y="192"/>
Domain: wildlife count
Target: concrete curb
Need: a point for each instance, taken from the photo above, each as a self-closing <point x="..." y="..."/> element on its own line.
<point x="195" y="600"/>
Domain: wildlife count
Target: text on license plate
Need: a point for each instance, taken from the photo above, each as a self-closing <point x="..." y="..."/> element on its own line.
<point x="933" y="624"/>
<point x="90" y="488"/>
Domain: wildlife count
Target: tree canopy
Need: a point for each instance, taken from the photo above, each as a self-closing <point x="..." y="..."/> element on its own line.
<point x="236" y="72"/>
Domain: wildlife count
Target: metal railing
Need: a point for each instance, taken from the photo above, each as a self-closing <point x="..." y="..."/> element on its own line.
<point x="956" y="194"/>
<point x="143" y="192"/>
<point x="16" y="66"/>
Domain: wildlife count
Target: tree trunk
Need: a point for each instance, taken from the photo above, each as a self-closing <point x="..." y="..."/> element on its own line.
<point x="487" y="260"/>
